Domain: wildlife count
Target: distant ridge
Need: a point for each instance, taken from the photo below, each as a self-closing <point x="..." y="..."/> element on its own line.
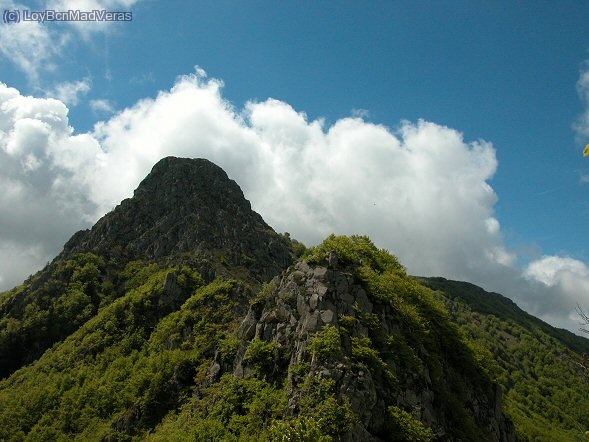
<point x="494" y="303"/>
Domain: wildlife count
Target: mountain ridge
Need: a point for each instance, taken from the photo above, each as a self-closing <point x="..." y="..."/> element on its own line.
<point x="495" y="303"/>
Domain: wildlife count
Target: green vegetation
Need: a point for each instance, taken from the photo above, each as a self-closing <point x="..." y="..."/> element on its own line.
<point x="325" y="344"/>
<point x="261" y="355"/>
<point x="123" y="369"/>
<point x="42" y="312"/>
<point x="353" y="249"/>
<point x="263" y="295"/>
<point x="319" y="401"/>
<point x="301" y="429"/>
<point x="298" y="248"/>
<point x="407" y="428"/>
<point x="425" y="341"/>
<point x="139" y="351"/>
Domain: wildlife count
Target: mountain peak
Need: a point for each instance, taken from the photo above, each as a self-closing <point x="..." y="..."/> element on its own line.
<point x="172" y="176"/>
<point x="187" y="209"/>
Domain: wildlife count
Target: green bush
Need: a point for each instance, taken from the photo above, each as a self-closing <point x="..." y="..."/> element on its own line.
<point x="336" y="417"/>
<point x="136" y="273"/>
<point x="262" y="355"/>
<point x="347" y="323"/>
<point x="228" y="347"/>
<point x="299" y="429"/>
<point x="299" y="372"/>
<point x="353" y="249"/>
<point x="407" y="428"/>
<point x="326" y="344"/>
<point x="263" y="295"/>
<point x="244" y="406"/>
<point x="362" y="349"/>
<point x="318" y="400"/>
<point x="298" y="248"/>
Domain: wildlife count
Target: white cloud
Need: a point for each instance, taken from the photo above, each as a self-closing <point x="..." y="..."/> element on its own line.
<point x="421" y="190"/>
<point x="38" y="153"/>
<point x="25" y="259"/>
<point x="69" y="92"/>
<point x="424" y="180"/>
<point x="552" y="270"/>
<point x="561" y="284"/>
<point x="102" y="107"/>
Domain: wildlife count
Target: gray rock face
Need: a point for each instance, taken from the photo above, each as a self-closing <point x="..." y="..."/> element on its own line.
<point x="186" y="209"/>
<point x="305" y="299"/>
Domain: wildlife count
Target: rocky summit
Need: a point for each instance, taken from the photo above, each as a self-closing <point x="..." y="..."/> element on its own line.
<point x="187" y="209"/>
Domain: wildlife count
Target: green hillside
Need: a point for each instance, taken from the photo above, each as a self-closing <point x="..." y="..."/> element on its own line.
<point x="541" y="369"/>
<point x="145" y="368"/>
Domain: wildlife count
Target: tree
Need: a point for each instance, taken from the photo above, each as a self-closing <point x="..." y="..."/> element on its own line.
<point x="585" y="317"/>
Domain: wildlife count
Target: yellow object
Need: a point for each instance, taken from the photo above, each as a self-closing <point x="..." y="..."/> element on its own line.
<point x="586" y="150"/>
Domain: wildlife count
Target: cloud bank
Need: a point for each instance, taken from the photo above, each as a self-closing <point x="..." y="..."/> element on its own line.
<point x="419" y="190"/>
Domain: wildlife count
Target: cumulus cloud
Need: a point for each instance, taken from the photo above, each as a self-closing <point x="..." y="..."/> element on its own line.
<point x="423" y="179"/>
<point x="40" y="206"/>
<point x="419" y="190"/>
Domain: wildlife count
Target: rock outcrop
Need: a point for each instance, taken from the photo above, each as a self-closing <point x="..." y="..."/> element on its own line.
<point x="377" y="364"/>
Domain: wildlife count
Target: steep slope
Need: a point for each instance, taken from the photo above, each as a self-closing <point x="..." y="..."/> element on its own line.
<point x="186" y="211"/>
<point x="543" y="370"/>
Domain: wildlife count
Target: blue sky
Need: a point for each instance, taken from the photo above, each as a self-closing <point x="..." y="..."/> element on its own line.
<point x="488" y="98"/>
